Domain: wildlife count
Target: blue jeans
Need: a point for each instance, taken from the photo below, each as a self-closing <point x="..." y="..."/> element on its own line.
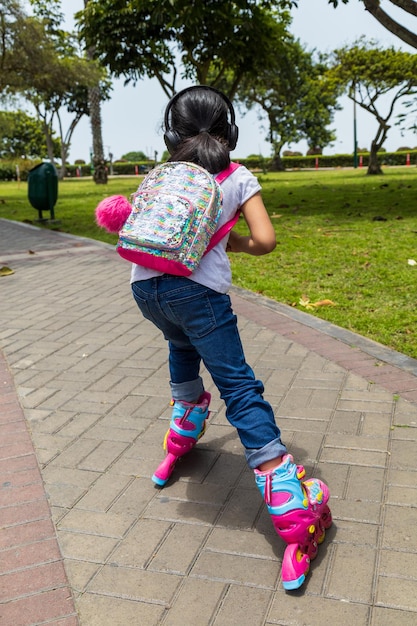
<point x="199" y="325"/>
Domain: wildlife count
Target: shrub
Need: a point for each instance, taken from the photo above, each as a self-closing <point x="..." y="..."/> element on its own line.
<point x="9" y="170"/>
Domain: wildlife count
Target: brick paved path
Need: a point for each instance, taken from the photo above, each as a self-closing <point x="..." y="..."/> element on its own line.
<point x="87" y="539"/>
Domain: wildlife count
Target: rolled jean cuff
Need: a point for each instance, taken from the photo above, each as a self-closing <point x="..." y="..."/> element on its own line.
<point x="273" y="449"/>
<point x="189" y="391"/>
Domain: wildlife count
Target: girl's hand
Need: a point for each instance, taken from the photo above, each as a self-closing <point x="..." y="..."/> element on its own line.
<point x="233" y="242"/>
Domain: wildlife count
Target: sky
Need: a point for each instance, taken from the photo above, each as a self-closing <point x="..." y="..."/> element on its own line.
<point x="132" y="119"/>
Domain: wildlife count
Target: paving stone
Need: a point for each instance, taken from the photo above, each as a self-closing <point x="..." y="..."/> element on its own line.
<point x="399" y="528"/>
<point x="105" y="491"/>
<point x="99" y="610"/>
<point x="196" y="602"/>
<point x="104" y="524"/>
<point x="297" y="610"/>
<point x="390" y="617"/>
<point x="397" y="593"/>
<point x="245" y="606"/>
<point x="239" y="542"/>
<point x="103" y="455"/>
<point x="86" y="547"/>
<point x="80" y="573"/>
<point x="135" y="584"/>
<point x="349" y="581"/>
<point x="53" y="605"/>
<point x="179" y="549"/>
<point x="233" y="568"/>
<point x="176" y="511"/>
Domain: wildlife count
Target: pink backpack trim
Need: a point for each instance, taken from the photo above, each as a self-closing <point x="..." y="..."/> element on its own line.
<point x="226" y="228"/>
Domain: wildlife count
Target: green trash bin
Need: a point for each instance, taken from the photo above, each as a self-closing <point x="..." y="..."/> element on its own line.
<point x="43" y="188"/>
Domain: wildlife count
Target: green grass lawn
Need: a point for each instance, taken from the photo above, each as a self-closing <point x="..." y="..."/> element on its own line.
<point x="342" y="236"/>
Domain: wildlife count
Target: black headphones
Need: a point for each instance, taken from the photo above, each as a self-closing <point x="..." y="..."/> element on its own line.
<point x="173" y="139"/>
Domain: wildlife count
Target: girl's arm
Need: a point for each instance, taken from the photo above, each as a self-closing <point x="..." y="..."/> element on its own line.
<point x="262" y="238"/>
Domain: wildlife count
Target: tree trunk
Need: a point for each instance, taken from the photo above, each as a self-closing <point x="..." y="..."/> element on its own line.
<point x="48" y="139"/>
<point x="374" y="167"/>
<point x="277" y="164"/>
<point x="99" y="162"/>
<point x="94" y="105"/>
<point x="64" y="156"/>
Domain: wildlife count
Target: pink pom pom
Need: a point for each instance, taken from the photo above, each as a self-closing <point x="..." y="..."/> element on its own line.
<point x="112" y="212"/>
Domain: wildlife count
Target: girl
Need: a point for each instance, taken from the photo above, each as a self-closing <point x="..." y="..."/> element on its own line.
<point x="195" y="316"/>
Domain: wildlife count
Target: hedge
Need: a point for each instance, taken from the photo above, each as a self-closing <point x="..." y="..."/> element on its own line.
<point x="291" y="162"/>
<point x="8" y="169"/>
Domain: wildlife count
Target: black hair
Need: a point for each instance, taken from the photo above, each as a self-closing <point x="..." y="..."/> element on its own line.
<point x="200" y="119"/>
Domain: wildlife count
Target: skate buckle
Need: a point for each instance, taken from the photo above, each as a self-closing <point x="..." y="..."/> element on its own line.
<point x="300" y="472"/>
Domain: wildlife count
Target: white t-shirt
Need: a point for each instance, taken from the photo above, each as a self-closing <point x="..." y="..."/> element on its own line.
<point x="214" y="268"/>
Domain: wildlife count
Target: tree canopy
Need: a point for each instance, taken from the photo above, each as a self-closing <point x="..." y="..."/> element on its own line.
<point x="296" y="98"/>
<point x="22" y="136"/>
<point x="166" y="39"/>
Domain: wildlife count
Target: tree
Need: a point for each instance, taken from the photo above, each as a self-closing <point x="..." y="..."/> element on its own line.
<point x="86" y="99"/>
<point x="296" y="99"/>
<point x="22" y="136"/>
<point x="199" y="41"/>
<point x="53" y="80"/>
<point x="368" y="73"/>
<point x="374" y="8"/>
<point x="51" y="13"/>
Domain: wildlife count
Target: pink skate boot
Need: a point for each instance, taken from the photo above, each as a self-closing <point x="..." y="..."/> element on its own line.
<point x="187" y="426"/>
<point x="300" y="515"/>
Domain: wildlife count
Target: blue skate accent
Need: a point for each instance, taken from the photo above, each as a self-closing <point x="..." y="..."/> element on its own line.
<point x="293" y="584"/>
<point x="159" y="481"/>
<point x="196" y="416"/>
<point x="283" y="479"/>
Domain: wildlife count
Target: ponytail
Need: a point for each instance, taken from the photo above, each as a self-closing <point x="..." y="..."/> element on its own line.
<point x="205" y="150"/>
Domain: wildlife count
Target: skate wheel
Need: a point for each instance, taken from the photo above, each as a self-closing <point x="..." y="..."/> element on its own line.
<point x="314" y="550"/>
<point x="300" y="556"/>
<point x="326" y="518"/>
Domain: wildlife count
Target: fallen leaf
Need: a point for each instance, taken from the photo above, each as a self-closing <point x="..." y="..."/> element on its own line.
<point x="305" y="302"/>
<point x="324" y="302"/>
<point x="6" y="271"/>
<point x="411" y="262"/>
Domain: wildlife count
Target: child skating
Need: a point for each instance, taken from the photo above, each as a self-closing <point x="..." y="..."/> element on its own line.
<point x="194" y="314"/>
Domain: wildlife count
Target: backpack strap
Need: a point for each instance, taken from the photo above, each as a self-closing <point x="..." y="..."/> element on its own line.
<point x="226" y="228"/>
<point x="227" y="172"/>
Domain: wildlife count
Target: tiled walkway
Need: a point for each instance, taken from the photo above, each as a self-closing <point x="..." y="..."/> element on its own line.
<point x="87" y="539"/>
